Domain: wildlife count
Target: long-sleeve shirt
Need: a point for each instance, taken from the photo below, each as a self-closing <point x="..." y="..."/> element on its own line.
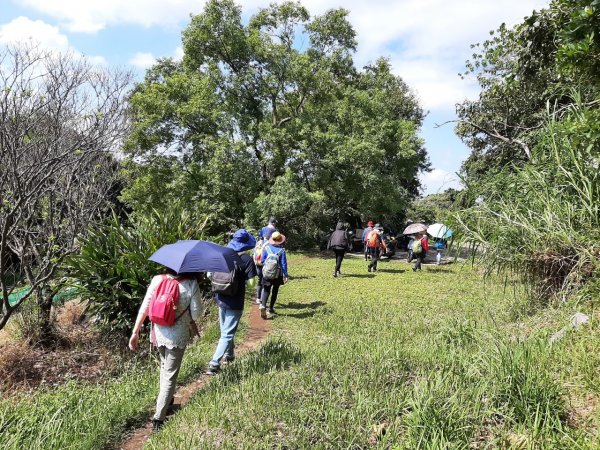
<point x="282" y="257"/>
<point x="178" y="334"/>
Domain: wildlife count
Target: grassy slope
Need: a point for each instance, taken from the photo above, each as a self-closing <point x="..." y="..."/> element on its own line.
<point x="400" y="360"/>
<point x="87" y="416"/>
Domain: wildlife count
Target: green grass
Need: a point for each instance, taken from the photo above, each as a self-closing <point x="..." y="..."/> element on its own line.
<point x="81" y="415"/>
<point x="399" y="360"/>
<point x="394" y="360"/>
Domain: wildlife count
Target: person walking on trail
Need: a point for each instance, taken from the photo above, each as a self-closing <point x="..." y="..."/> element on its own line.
<point x="257" y="256"/>
<point x="274" y="271"/>
<point x="366" y="232"/>
<point x="171" y="340"/>
<point x="340" y="243"/>
<point x="420" y="247"/>
<point x="230" y="290"/>
<point x="375" y="244"/>
<point x="269" y="229"/>
<point x="440" y="246"/>
<point x="409" y="256"/>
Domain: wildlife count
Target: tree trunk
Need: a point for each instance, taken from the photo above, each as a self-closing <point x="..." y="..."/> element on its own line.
<point x="46" y="330"/>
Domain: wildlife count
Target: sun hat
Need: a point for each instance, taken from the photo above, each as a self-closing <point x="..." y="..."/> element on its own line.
<point x="277" y="238"/>
<point x="242" y="241"/>
<point x="370" y="223"/>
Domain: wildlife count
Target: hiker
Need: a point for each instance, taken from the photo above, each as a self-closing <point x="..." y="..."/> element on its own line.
<point x="375" y="244"/>
<point x="420" y="247"/>
<point x="409" y="256"/>
<point x="229" y="294"/>
<point x="440" y="246"/>
<point x="274" y="271"/>
<point x="366" y="232"/>
<point x="170" y="340"/>
<point x="267" y="231"/>
<point x="257" y="257"/>
<point x="340" y="243"/>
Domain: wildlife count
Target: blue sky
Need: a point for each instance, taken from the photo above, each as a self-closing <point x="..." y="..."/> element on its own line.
<point x="427" y="42"/>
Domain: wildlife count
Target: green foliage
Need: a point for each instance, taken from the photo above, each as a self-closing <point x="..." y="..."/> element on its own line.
<point x="112" y="270"/>
<point x="250" y="110"/>
<point x="433" y="208"/>
<point x="541" y="222"/>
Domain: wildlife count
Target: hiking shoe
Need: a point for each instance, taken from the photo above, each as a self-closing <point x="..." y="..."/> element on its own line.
<point x="228" y="360"/>
<point x="369" y="268"/>
<point x="212" y="370"/>
<point x="263" y="311"/>
<point x="157" y="424"/>
<point x="258" y="301"/>
<point x="335" y="275"/>
<point x="271" y="315"/>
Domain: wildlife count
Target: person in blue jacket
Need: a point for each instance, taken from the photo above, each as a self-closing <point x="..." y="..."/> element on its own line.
<point x="273" y="250"/>
<point x="267" y="231"/>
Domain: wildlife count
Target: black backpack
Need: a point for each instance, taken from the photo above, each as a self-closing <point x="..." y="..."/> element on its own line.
<point x="228" y="283"/>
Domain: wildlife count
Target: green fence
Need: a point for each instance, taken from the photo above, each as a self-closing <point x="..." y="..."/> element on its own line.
<point x="18" y="294"/>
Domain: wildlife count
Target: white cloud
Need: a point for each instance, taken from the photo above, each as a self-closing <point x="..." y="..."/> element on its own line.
<point x="23" y="29"/>
<point x="438" y="180"/>
<point x="143" y="60"/>
<point x="178" y="53"/>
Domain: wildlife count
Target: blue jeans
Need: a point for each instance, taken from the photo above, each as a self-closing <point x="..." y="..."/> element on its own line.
<point x="229" y="319"/>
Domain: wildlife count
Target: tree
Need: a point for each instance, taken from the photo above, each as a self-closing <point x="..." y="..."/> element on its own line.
<point x="255" y="107"/>
<point x="523" y="72"/>
<point x="60" y="122"/>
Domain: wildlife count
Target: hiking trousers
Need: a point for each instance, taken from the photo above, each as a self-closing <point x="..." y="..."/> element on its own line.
<point x="419" y="257"/>
<point x="339" y="257"/>
<point x="266" y="292"/>
<point x="374" y="252"/>
<point x="170" y="362"/>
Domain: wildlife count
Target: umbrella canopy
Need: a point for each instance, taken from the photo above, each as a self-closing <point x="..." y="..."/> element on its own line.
<point x="440" y="231"/>
<point x="414" y="228"/>
<point x="196" y="256"/>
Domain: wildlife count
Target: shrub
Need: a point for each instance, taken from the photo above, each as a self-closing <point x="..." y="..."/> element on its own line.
<point x="113" y="271"/>
<point x="542" y="222"/>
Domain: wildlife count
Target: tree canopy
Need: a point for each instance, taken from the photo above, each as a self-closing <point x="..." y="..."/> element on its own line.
<point x="272" y="117"/>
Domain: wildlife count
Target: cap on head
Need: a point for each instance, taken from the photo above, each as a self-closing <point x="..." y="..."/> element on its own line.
<point x="272" y="220"/>
<point x="370" y="223"/>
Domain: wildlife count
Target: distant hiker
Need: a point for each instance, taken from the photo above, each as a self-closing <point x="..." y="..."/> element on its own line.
<point x="375" y="245"/>
<point x="409" y="256"/>
<point x="340" y="243"/>
<point x="257" y="257"/>
<point x="440" y="246"/>
<point x="420" y="247"/>
<point x="366" y="232"/>
<point x="173" y="303"/>
<point x="229" y="295"/>
<point x="267" y="231"/>
<point x="274" y="272"/>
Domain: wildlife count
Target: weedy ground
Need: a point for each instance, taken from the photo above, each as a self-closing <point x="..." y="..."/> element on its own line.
<point x="402" y="360"/>
<point x="440" y="359"/>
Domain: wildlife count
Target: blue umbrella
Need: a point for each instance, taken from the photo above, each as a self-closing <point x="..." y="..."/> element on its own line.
<point x="196" y="256"/>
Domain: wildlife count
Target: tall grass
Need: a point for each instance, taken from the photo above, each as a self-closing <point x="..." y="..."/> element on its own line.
<point x="541" y="222"/>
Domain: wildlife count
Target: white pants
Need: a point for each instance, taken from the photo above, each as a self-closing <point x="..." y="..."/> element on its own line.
<point x="170" y="362"/>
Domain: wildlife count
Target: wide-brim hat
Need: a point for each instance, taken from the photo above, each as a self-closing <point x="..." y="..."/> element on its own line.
<point x="242" y="241"/>
<point x="277" y="238"/>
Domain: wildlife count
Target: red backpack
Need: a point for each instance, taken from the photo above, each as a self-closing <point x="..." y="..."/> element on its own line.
<point x="164" y="302"/>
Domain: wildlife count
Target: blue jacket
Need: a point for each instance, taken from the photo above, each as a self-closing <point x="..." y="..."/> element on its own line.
<point x="366" y="233"/>
<point x="266" y="232"/>
<point x="282" y="257"/>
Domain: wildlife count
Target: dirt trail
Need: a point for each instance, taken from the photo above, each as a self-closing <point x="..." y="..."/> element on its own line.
<point x="257" y="330"/>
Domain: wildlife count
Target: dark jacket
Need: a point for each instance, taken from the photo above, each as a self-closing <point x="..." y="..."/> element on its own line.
<point x="248" y="271"/>
<point x="339" y="239"/>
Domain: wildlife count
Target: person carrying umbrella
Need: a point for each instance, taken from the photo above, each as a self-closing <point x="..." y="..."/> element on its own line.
<point x="420" y="248"/>
<point x="170" y="340"/>
<point x="231" y="300"/>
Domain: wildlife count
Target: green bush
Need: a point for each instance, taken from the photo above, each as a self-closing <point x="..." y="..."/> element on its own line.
<point x="541" y="222"/>
<point x="112" y="270"/>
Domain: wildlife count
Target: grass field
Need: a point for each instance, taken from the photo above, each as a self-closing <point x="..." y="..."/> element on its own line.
<point x="401" y="360"/>
<point x="392" y="360"/>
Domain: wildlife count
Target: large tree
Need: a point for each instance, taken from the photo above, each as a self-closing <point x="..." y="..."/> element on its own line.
<point x="60" y="119"/>
<point x="524" y="72"/>
<point x="272" y="103"/>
